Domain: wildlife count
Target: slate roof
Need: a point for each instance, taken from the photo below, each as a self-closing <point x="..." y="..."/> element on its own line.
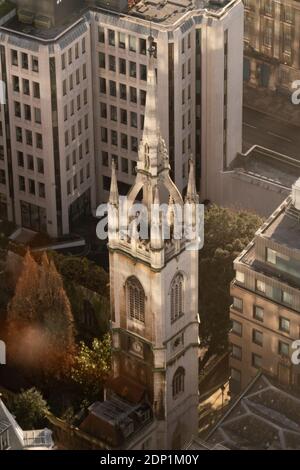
<point x="266" y="416"/>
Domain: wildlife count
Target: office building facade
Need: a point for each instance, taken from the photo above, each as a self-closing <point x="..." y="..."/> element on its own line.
<point x="76" y="93"/>
<point x="266" y="300"/>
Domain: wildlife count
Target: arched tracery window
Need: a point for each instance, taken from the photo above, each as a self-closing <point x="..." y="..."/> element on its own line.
<point x="135" y="300"/>
<point x="178" y="382"/>
<point x="177" y="297"/>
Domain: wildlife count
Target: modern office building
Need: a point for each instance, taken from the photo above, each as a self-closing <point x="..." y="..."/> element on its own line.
<point x="272" y="37"/>
<point x="75" y="76"/>
<point x="48" y="146"/>
<point x="199" y="72"/>
<point x="265" y="312"/>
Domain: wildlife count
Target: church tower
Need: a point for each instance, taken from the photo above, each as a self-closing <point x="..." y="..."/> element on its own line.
<point x="154" y="290"/>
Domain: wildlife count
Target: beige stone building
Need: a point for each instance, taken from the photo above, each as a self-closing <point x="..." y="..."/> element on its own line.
<point x="272" y="38"/>
<point x="75" y="74"/>
<point x="199" y="70"/>
<point x="48" y="129"/>
<point x="266" y="299"/>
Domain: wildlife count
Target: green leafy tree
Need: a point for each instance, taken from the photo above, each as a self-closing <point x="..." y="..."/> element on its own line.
<point x="92" y="366"/>
<point x="83" y="272"/>
<point x="30" y="409"/>
<point x="227" y="233"/>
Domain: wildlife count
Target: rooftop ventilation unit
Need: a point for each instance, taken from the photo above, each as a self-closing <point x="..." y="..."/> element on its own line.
<point x="42" y="22"/>
<point x="25" y="16"/>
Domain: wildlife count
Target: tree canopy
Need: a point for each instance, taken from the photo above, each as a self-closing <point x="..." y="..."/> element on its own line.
<point x="40" y="321"/>
<point x="92" y="366"/>
<point x="30" y="409"/>
<point x="227" y="233"/>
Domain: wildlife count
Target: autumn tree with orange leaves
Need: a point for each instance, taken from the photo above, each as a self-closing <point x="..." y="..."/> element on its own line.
<point x="40" y="321"/>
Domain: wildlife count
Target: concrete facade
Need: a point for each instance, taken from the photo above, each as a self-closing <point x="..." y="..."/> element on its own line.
<point x="50" y="129"/>
<point x="199" y="89"/>
<point x="272" y="43"/>
<point x="266" y="301"/>
<point x="199" y="72"/>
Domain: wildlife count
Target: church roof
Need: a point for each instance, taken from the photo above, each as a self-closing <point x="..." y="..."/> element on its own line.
<point x="266" y="416"/>
<point x="116" y="420"/>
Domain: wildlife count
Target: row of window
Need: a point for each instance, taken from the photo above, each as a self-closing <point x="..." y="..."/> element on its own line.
<point x="26" y="61"/>
<point x="110" y="87"/>
<point x="71" y="135"/>
<point x="71" y="81"/>
<point x="136" y="299"/>
<point x="73" y="53"/>
<point x="2" y="177"/>
<point x="237" y="353"/>
<point x="121" y="115"/>
<point x="121" y="40"/>
<point x="69" y="109"/>
<point x="284" y="324"/>
<point x="73" y="138"/>
<point x="31" y="163"/>
<point x="32" y="188"/>
<point x="186" y="69"/>
<point x="72" y="184"/>
<point x="260" y="287"/>
<point x="29" y="137"/>
<point x="110" y="62"/>
<point x="2" y="152"/>
<point x="27" y="112"/>
<point x="28" y="88"/>
<point x="283" y="262"/>
<point x="115" y="158"/>
<point x="286" y="13"/>
<point x="73" y="159"/>
<point x="122" y="139"/>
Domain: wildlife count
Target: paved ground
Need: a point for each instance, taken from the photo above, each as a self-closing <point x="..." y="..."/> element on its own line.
<point x="273" y="104"/>
<point x="273" y="133"/>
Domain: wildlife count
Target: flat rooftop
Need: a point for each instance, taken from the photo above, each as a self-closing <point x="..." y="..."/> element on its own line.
<point x="163" y="11"/>
<point x="285" y="229"/>
<point x="166" y="12"/>
<point x="169" y="11"/>
<point x="16" y="26"/>
<point x="268" y="166"/>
